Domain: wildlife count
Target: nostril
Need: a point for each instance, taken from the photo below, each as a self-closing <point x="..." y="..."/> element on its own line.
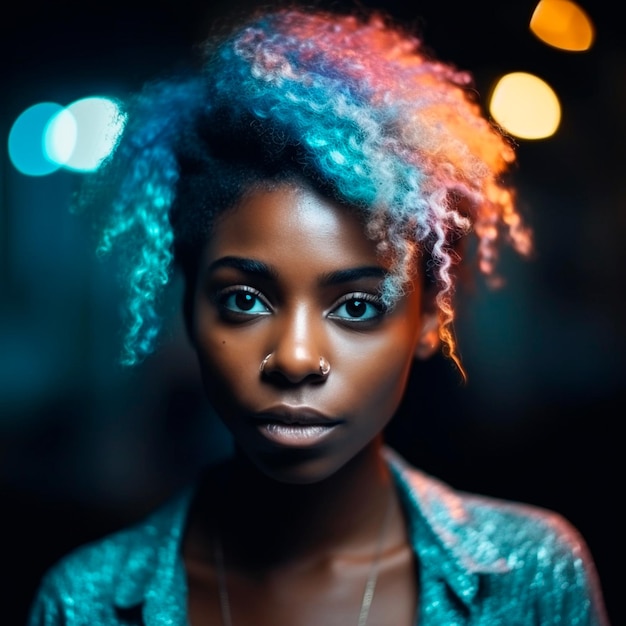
<point x="293" y="371"/>
<point x="280" y="379"/>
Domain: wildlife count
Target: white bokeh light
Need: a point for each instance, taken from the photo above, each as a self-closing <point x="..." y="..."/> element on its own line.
<point x="60" y="137"/>
<point x="85" y="133"/>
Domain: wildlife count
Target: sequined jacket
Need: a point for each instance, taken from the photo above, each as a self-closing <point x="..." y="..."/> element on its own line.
<point x="483" y="562"/>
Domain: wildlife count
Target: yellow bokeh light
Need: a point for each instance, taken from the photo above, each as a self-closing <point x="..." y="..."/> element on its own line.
<point x="562" y="24"/>
<point x="525" y="106"/>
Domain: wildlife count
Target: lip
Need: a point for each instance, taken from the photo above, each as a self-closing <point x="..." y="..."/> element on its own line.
<point x="295" y="415"/>
<point x="295" y="426"/>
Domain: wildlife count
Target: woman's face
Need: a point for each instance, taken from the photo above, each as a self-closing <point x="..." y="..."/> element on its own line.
<point x="291" y="274"/>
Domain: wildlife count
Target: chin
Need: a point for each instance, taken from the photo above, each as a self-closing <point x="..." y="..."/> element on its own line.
<point x="298" y="467"/>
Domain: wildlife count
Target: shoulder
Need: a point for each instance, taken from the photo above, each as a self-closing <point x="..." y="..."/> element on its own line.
<point x="91" y="579"/>
<point x="521" y="551"/>
<point x="506" y="523"/>
<point x="523" y="527"/>
<point x="84" y="580"/>
<point x="97" y="564"/>
<point x="549" y="562"/>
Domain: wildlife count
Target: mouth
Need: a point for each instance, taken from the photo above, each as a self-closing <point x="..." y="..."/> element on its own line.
<point x="295" y="426"/>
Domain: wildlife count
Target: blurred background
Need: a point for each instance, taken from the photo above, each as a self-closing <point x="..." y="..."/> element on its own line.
<point x="87" y="446"/>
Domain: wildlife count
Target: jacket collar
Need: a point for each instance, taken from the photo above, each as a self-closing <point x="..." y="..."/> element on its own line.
<point x="449" y="546"/>
<point x="153" y="570"/>
<point x="448" y="543"/>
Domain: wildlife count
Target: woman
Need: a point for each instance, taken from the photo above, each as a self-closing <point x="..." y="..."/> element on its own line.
<point x="315" y="183"/>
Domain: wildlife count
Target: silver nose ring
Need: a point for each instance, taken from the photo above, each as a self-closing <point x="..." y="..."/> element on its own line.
<point x="264" y="362"/>
<point x="324" y="365"/>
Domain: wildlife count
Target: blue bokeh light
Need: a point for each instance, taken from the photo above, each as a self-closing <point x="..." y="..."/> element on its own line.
<point x="47" y="136"/>
<point x="26" y="142"/>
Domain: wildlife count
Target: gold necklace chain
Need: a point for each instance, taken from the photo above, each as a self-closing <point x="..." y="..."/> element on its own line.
<point x="370" y="585"/>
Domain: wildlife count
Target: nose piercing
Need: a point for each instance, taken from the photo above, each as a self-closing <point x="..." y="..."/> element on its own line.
<point x="324" y="366"/>
<point x="264" y="362"/>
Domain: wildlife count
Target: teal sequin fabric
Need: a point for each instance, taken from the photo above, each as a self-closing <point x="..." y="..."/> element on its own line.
<point x="482" y="562"/>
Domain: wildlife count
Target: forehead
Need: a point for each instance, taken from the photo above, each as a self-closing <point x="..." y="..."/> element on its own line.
<point x="292" y="223"/>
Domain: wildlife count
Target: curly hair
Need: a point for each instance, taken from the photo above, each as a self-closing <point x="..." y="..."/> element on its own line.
<point x="353" y="104"/>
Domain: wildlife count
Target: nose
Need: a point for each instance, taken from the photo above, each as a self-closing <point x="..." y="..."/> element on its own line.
<point x="298" y="341"/>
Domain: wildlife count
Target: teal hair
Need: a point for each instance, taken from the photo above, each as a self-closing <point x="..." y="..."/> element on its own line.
<point x="351" y="104"/>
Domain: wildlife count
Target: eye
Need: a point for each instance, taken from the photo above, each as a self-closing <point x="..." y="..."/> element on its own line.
<point x="359" y="308"/>
<point x="242" y="301"/>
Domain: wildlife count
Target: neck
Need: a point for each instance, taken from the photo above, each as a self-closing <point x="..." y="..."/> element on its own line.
<point x="268" y="522"/>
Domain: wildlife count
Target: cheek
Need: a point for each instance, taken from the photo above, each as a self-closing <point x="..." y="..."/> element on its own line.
<point x="376" y="377"/>
<point x="216" y="358"/>
<point x="386" y="390"/>
<point x="222" y="371"/>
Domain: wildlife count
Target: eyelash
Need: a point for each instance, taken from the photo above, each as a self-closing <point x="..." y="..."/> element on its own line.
<point x="367" y="298"/>
<point x="235" y="312"/>
<point x="230" y="312"/>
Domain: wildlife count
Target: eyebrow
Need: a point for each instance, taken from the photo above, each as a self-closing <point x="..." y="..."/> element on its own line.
<point x="353" y="274"/>
<point x="262" y="270"/>
<point x="248" y="266"/>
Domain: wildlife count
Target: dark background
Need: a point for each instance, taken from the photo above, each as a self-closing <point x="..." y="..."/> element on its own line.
<point x="86" y="447"/>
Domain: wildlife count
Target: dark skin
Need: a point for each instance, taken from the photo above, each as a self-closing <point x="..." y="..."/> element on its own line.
<point x="299" y="509"/>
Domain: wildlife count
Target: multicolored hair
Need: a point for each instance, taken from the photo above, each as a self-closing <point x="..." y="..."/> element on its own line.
<point x="354" y="105"/>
